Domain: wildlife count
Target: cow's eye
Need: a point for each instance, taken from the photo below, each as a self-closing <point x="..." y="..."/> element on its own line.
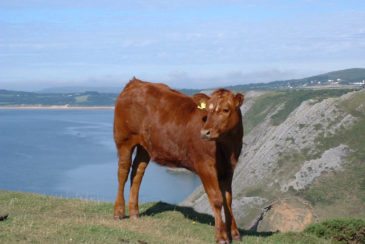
<point x="226" y="110"/>
<point x="205" y="118"/>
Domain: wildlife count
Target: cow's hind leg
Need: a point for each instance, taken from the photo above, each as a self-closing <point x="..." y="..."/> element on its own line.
<point x="124" y="164"/>
<point x="140" y="163"/>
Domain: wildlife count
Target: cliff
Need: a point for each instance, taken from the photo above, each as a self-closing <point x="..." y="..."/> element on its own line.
<point x="303" y="160"/>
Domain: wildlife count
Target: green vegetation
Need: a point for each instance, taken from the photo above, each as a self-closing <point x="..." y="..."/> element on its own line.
<point x="15" y="98"/>
<point x="90" y="98"/>
<point x="44" y="219"/>
<point x="264" y="105"/>
<point x="341" y="230"/>
<point x="282" y="103"/>
<point x="346" y="77"/>
<point x="293" y="98"/>
<point x="289" y="164"/>
<point x="254" y="191"/>
<point x="355" y="105"/>
<point x="342" y="193"/>
<point x="319" y="196"/>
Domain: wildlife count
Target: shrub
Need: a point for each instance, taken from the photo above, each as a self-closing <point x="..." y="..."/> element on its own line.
<point x="342" y="230"/>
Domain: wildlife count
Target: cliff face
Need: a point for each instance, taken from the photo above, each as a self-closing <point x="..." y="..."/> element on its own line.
<point x="303" y="150"/>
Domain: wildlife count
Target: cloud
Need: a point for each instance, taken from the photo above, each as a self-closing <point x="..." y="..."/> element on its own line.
<point x="194" y="43"/>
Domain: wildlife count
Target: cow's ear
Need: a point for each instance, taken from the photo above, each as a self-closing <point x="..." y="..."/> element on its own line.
<point x="239" y="97"/>
<point x="201" y="100"/>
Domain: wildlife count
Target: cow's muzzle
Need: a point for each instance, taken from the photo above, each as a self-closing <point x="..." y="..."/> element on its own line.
<point x="205" y="134"/>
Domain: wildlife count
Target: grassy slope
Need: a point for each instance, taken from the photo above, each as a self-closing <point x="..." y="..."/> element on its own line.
<point x="334" y="194"/>
<point x="343" y="193"/>
<point x="43" y="219"/>
<point x="284" y="102"/>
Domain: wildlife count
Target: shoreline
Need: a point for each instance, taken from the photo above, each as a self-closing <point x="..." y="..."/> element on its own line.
<point x="55" y="107"/>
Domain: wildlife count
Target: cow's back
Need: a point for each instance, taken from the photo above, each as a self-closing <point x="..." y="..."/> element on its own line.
<point x="162" y="120"/>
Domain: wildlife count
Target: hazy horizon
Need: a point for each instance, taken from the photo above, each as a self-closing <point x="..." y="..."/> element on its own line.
<point x="186" y="44"/>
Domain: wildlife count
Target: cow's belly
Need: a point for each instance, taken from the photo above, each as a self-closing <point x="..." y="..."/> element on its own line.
<point x="168" y="149"/>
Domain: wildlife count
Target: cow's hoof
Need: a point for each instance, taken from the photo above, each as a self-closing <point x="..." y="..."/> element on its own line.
<point x="222" y="238"/>
<point x="118" y="217"/>
<point x="223" y="241"/>
<point x="236" y="236"/>
<point x="134" y="217"/>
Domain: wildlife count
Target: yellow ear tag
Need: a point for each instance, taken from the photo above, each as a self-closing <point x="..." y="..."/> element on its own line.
<point x="202" y="105"/>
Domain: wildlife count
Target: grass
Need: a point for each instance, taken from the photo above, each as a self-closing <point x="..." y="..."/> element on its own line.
<point x="264" y="104"/>
<point x="44" y="219"/>
<point x="295" y="97"/>
<point x="288" y="164"/>
<point x="341" y="230"/>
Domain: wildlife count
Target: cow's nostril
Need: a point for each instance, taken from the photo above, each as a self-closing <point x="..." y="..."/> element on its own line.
<point x="205" y="134"/>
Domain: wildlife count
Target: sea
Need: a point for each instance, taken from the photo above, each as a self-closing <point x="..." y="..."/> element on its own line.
<point x="71" y="153"/>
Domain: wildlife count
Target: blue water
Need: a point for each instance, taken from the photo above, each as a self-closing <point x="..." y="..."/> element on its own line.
<point x="71" y="153"/>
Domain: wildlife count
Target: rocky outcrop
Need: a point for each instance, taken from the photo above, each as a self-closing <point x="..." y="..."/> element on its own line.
<point x="285" y="215"/>
<point x="331" y="160"/>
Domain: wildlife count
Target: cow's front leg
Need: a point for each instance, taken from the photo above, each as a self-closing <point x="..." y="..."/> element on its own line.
<point x="211" y="185"/>
<point x="230" y="220"/>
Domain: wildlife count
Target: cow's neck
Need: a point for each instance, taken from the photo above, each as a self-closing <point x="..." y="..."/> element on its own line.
<point x="230" y="144"/>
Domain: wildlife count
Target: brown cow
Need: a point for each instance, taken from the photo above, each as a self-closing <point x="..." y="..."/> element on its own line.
<point x="199" y="133"/>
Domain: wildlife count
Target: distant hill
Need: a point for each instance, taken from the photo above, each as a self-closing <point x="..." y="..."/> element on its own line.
<point x="347" y="76"/>
<point x="80" y="89"/>
<point x="105" y="96"/>
<point x="72" y="99"/>
<point x="100" y="89"/>
<point x="19" y="98"/>
<point x="341" y="77"/>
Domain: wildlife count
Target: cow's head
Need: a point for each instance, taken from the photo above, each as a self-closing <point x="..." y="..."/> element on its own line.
<point x="223" y="112"/>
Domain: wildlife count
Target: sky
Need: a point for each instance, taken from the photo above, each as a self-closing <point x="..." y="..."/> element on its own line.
<point x="186" y="44"/>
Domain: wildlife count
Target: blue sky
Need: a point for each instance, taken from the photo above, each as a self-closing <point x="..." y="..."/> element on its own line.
<point x="190" y="44"/>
